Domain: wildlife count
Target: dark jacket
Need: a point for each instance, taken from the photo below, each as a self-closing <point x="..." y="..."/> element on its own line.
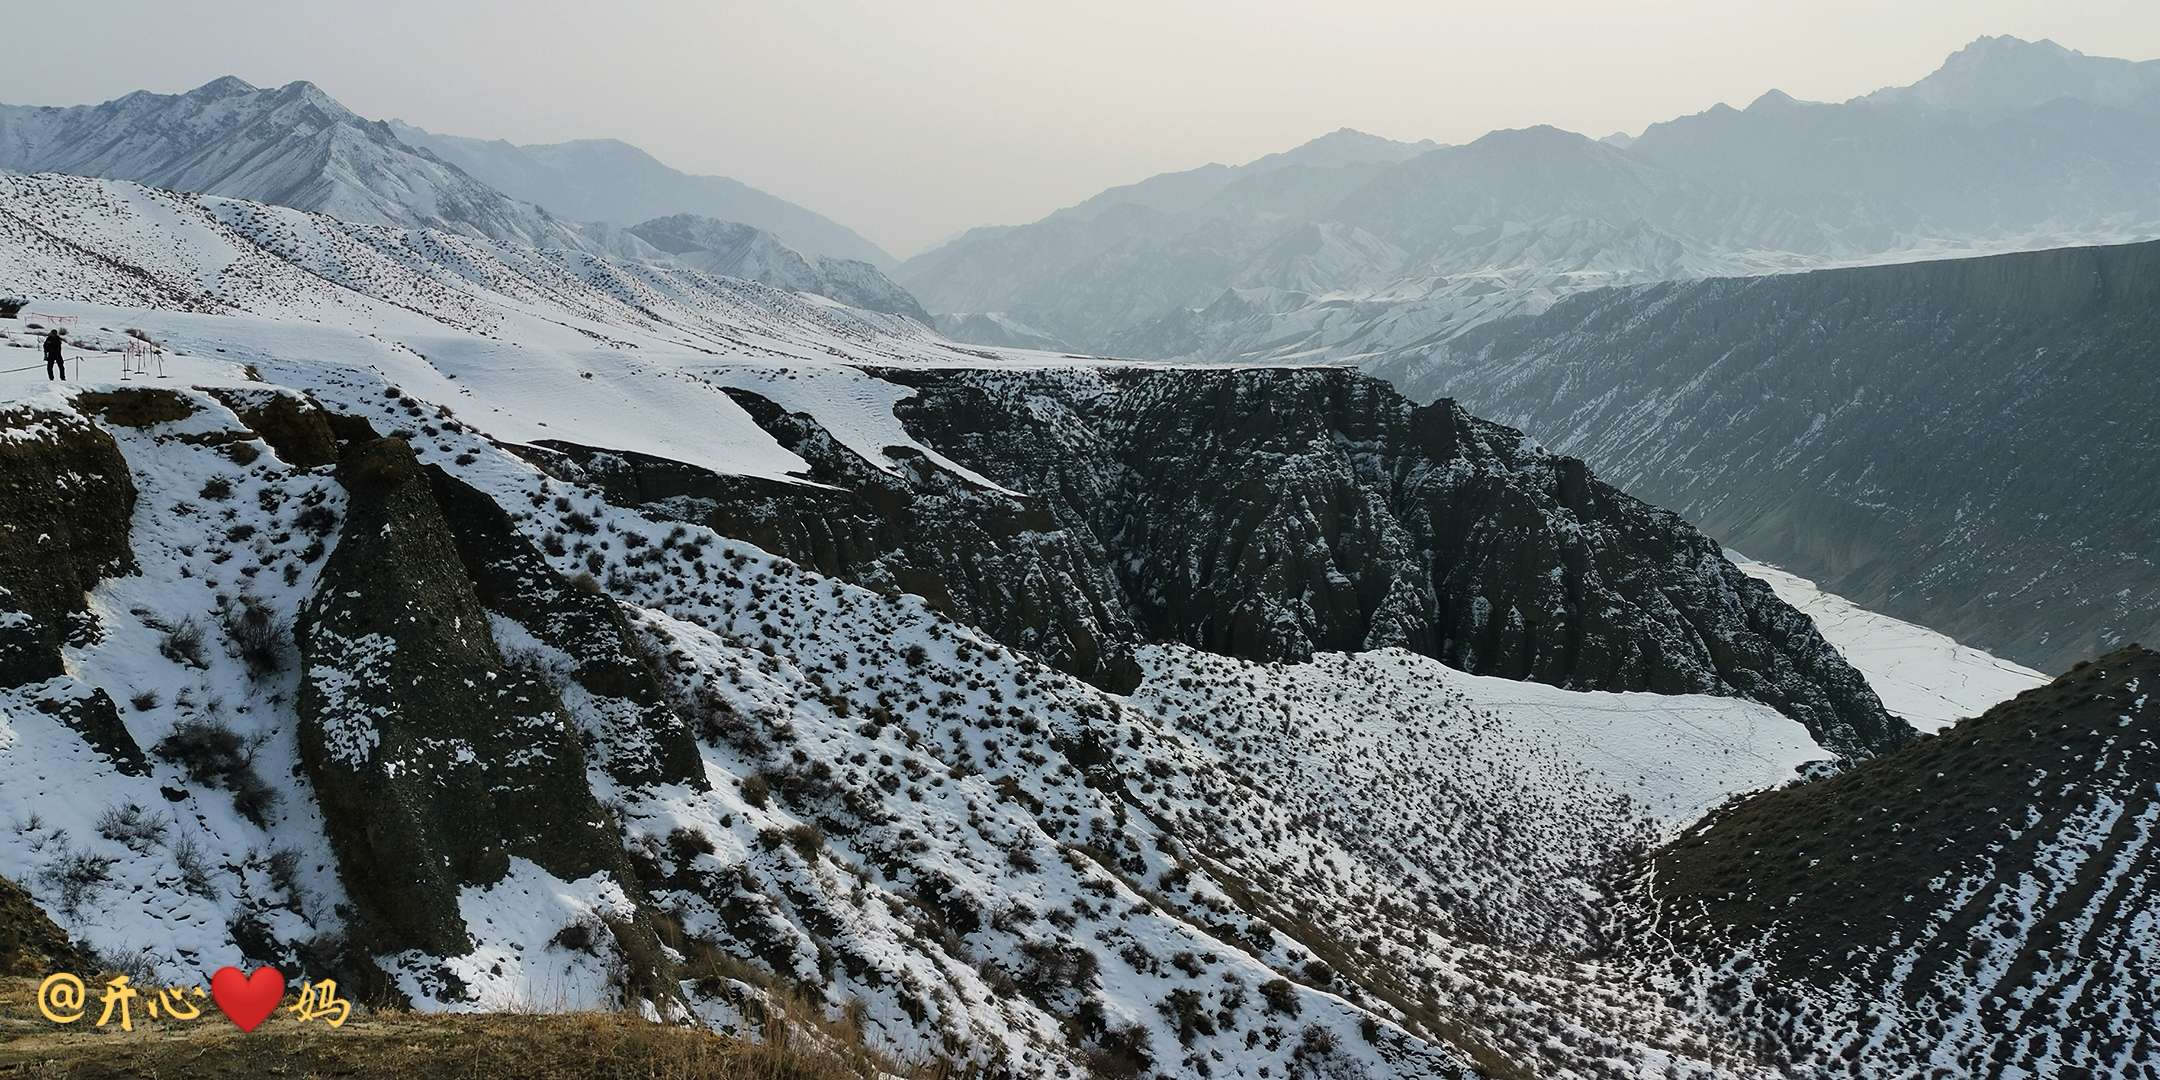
<point x="52" y="346"/>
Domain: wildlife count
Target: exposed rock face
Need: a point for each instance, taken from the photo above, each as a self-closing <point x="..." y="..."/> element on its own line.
<point x="434" y="761"/>
<point x="295" y="427"/>
<point x="30" y="944"/>
<point x="66" y="505"/>
<point x="1946" y="442"/>
<point x="1984" y="896"/>
<point x="645" y="742"/>
<point x="1270" y="515"/>
<point x="66" y="502"/>
<point x="986" y="558"/>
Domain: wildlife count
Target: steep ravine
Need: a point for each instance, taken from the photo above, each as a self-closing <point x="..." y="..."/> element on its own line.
<point x="1269" y="515"/>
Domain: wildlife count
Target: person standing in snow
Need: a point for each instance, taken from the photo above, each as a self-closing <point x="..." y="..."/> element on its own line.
<point x="55" y="364"/>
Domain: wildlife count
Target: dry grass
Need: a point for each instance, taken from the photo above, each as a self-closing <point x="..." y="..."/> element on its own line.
<point x="405" y="1046"/>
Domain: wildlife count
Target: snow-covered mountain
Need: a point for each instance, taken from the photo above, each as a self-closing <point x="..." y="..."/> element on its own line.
<point x="1995" y="76"/>
<point x="1978" y="904"/>
<point x="295" y="146"/>
<point x="1037" y="713"/>
<point x="291" y="146"/>
<point x="732" y="249"/>
<point x="613" y="182"/>
<point x="1383" y="247"/>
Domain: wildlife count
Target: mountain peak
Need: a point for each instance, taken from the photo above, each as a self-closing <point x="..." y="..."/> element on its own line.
<point x="222" y="86"/>
<point x="1346" y="146"/>
<point x="1772" y="99"/>
<point x="1995" y="45"/>
<point x="1536" y="136"/>
<point x="2000" y="74"/>
<point x="303" y="90"/>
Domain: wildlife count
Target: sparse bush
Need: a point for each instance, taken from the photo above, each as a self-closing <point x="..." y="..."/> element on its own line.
<point x="139" y="965"/>
<point x="215" y="754"/>
<point x="217" y="488"/>
<point x="685" y="845"/>
<point x="806" y="839"/>
<point x="1281" y="996"/>
<point x="144" y="701"/>
<point x="183" y="643"/>
<point x="582" y="934"/>
<point x="1121" y="1053"/>
<point x="256" y="637"/>
<point x="133" y="827"/>
<point x="1317" y="1042"/>
<point x="757" y="790"/>
<point x="1186" y="1009"/>
<point x="74" y="876"/>
<point x="1047" y="968"/>
<point x="284" y="868"/>
<point x="194" y="866"/>
<point x="317" y="519"/>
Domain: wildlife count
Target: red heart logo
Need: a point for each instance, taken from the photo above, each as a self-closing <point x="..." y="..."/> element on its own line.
<point x="247" y="999"/>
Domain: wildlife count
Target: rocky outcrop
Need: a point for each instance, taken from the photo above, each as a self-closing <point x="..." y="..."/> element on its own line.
<point x="30" y="944"/>
<point x="644" y="741"/>
<point x="1270" y="514"/>
<point x="1949" y="442"/>
<point x="1265" y="514"/>
<point x="66" y="502"/>
<point x="435" y="762"/>
<point x="1982" y="896"/>
<point x="298" y="429"/>
<point x="1003" y="563"/>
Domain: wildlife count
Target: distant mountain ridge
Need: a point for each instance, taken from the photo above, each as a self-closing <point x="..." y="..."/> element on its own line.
<point x="2003" y="74"/>
<point x="614" y="182"/>
<point x="733" y="249"/>
<point x="292" y="146"/>
<point x="1950" y="442"/>
<point x="296" y="146"/>
<point x="1353" y="247"/>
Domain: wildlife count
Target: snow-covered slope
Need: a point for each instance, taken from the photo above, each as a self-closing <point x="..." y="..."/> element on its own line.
<point x="1927" y="678"/>
<point x="632" y="760"/>
<point x="987" y="855"/>
<point x="1980" y="903"/>
<point x="500" y="327"/>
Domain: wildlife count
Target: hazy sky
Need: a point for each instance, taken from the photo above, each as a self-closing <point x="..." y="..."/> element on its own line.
<point x="911" y="121"/>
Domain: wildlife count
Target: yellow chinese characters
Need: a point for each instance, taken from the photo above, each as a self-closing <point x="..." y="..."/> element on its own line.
<point x="63" y="999"/>
<point x="176" y="1003"/>
<point x="319" y="999"/>
<point x="118" y="994"/>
